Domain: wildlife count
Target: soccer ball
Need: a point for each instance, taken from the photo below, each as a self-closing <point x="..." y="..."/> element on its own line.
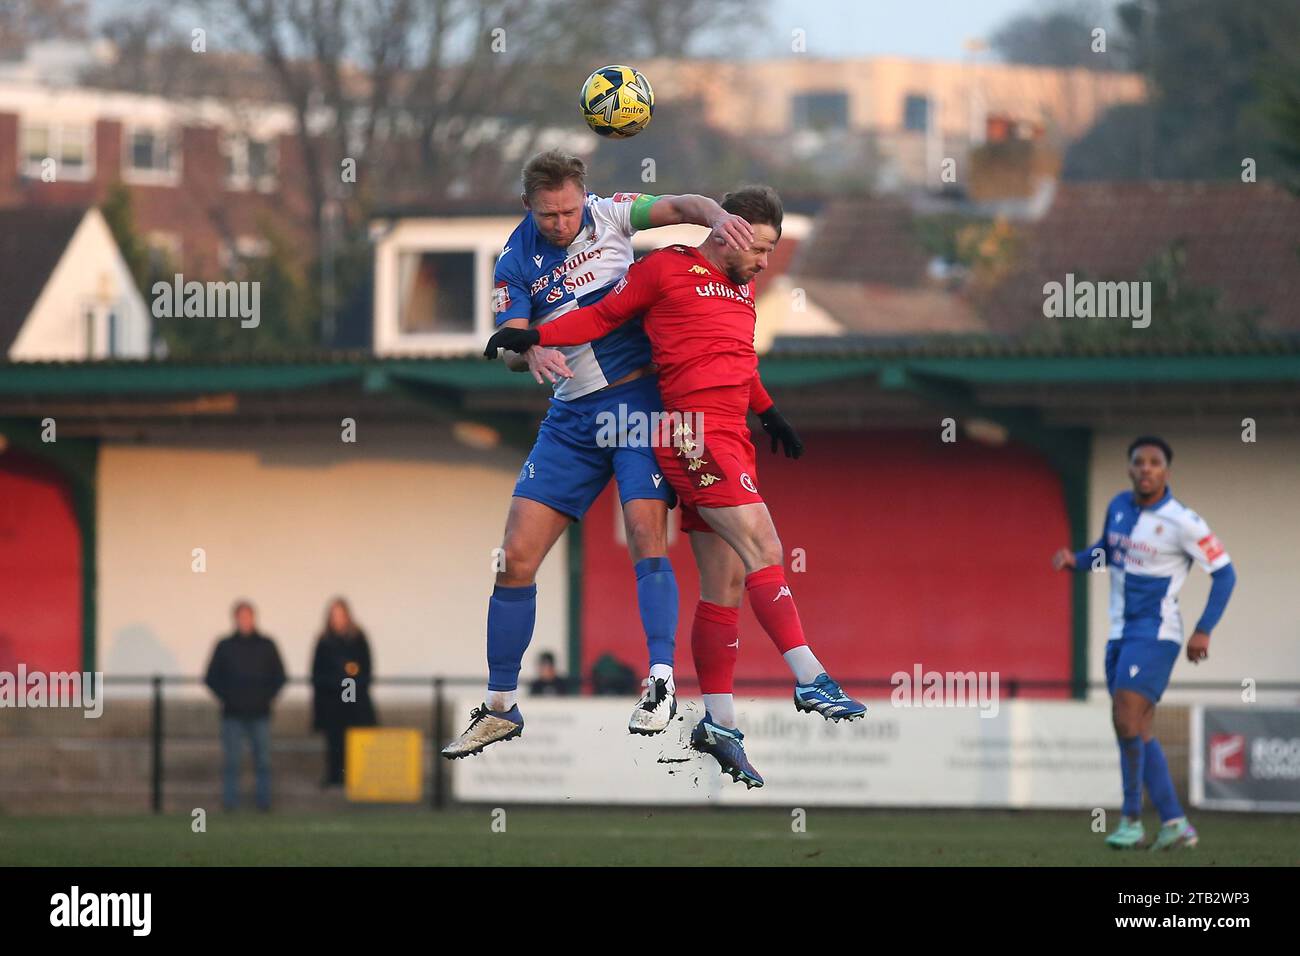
<point x="617" y="101"/>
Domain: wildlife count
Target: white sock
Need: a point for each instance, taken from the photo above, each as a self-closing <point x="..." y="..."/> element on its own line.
<point x="501" y="700"/>
<point x="722" y="708"/>
<point x="664" y="671"/>
<point x="804" y="663"/>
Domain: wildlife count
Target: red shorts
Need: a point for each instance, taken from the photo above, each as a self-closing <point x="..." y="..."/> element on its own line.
<point x="720" y="474"/>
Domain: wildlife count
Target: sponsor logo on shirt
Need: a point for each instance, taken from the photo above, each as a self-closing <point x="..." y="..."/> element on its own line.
<point x="1210" y="547"/>
<point x="720" y="291"/>
<point x="624" y="197"/>
<point x="500" y="298"/>
<point x="556" y="294"/>
<point x="622" y="284"/>
<point x="540" y="284"/>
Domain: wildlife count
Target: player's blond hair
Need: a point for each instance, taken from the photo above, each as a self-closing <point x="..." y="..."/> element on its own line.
<point x="551" y="170"/>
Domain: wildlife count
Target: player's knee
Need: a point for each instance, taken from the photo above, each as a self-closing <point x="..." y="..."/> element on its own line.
<point x="518" y="567"/>
<point x="646" y="539"/>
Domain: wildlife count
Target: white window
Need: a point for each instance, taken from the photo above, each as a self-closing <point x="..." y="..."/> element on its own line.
<point x="151" y="155"/>
<point x="250" y="163"/>
<point x="435" y="292"/>
<point x="233" y="260"/>
<point x="68" y="145"/>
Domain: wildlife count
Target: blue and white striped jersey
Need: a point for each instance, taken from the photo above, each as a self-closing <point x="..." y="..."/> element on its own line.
<point x="540" y="282"/>
<point x="1148" y="553"/>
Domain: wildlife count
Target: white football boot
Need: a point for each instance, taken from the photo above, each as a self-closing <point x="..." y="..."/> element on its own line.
<point x="657" y="706"/>
<point x="485" y="727"/>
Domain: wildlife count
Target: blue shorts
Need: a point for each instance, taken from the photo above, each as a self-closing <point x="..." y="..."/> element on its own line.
<point x="1143" y="666"/>
<point x="582" y="443"/>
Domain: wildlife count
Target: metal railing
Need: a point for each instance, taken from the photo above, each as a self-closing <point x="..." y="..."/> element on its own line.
<point x="440" y="685"/>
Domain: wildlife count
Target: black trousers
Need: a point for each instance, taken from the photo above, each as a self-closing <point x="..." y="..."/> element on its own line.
<point x="334" y="753"/>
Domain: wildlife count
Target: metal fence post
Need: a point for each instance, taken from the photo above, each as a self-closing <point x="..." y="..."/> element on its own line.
<point x="439" y="794"/>
<point x="157" y="733"/>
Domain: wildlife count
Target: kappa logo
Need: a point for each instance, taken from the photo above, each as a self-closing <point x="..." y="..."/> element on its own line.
<point x="784" y="592"/>
<point x="747" y="483"/>
<point x="698" y="269"/>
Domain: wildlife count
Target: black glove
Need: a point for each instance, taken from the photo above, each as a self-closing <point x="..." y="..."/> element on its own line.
<point x="512" y="340"/>
<point x="782" y="432"/>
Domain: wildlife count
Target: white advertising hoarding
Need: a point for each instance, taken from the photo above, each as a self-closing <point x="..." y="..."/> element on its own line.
<point x="1023" y="754"/>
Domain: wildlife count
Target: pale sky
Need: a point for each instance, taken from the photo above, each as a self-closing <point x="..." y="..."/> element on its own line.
<point x="925" y="29"/>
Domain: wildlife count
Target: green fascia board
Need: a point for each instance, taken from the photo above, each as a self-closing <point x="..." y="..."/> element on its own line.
<point x="160" y="378"/>
<point x="1127" y="368"/>
<point x="471" y="373"/>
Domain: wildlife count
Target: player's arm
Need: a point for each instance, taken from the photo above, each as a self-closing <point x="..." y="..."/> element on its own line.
<point x="1067" y="560"/>
<point x="512" y="307"/>
<point x="1200" y="543"/>
<point x="649" y="212"/>
<point x="774" y="423"/>
<point x="633" y="295"/>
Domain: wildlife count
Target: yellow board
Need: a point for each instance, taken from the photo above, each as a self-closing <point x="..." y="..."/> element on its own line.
<point x="384" y="765"/>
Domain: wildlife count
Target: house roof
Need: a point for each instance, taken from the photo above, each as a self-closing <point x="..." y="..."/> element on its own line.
<point x="32" y="241"/>
<point x="1241" y="238"/>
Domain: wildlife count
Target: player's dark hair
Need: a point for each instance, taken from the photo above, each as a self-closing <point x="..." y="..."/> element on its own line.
<point x="551" y="170"/>
<point x="757" y="205"/>
<point x="1152" y="440"/>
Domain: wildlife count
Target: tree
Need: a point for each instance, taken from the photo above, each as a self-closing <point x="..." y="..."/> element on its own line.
<point x="1057" y="37"/>
<point x="1207" y="64"/>
<point x="27" y="21"/>
<point x="1181" y="313"/>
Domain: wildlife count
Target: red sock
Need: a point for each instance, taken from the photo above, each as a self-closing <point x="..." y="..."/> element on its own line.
<point x="773" y="605"/>
<point x="715" y="643"/>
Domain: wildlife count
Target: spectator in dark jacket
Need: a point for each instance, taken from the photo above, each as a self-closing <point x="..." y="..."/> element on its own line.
<point x="342" y="652"/>
<point x="245" y="673"/>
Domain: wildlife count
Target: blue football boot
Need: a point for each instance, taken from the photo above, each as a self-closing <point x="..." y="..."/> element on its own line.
<point x="726" y="746"/>
<point x="823" y="696"/>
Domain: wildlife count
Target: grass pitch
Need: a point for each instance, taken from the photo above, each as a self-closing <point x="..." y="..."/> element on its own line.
<point x="617" y="836"/>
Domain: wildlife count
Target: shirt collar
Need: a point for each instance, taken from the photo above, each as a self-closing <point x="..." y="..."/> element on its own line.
<point x="1169" y="493"/>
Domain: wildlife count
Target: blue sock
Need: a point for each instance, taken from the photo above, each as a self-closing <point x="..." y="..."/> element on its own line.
<point x="656" y="595"/>
<point x="1130" y="766"/>
<point x="1155" y="774"/>
<point x="511" y="614"/>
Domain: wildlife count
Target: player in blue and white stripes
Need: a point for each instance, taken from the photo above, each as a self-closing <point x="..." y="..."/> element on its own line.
<point x="1148" y="543"/>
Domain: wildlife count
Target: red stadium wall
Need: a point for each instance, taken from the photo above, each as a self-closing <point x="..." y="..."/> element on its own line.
<point x="40" y="567"/>
<point x="918" y="552"/>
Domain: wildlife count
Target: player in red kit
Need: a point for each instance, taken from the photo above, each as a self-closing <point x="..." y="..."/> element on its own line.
<point x="698" y="310"/>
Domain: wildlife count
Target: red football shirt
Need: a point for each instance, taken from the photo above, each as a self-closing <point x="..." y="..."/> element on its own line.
<point x="700" y="325"/>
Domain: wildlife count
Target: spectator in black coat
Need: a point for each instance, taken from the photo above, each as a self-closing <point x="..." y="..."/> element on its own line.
<point x="342" y="652"/>
<point x="246" y="674"/>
